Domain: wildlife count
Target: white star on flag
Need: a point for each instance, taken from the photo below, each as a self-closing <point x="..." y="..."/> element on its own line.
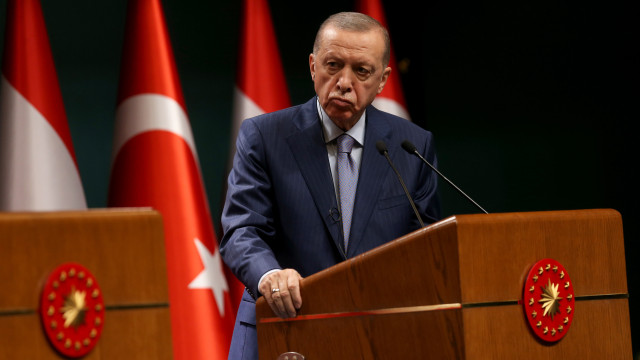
<point x="212" y="276"/>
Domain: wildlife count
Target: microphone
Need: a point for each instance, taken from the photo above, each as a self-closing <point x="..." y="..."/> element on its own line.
<point x="382" y="149"/>
<point x="411" y="149"/>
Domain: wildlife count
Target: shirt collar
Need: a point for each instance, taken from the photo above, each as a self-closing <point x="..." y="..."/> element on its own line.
<point x="332" y="131"/>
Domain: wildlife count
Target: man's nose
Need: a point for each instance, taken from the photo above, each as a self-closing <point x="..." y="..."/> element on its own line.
<point x="345" y="81"/>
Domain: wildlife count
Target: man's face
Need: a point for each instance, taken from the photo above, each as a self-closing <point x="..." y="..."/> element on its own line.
<point x="348" y="73"/>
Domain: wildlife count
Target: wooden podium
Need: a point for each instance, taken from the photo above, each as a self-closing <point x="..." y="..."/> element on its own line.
<point x="123" y="249"/>
<point x="452" y="290"/>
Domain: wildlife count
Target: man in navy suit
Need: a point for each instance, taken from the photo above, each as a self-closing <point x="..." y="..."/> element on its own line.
<point x="284" y="217"/>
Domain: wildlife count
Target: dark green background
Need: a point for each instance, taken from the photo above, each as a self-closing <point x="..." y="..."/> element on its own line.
<point x="531" y="103"/>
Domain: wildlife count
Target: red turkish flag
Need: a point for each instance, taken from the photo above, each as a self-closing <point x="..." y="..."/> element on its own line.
<point x="391" y="99"/>
<point x="261" y="85"/>
<point x="155" y="164"/>
<point x="38" y="168"/>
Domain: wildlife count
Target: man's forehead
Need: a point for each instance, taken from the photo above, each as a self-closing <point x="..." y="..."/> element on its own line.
<point x="331" y="32"/>
<point x="337" y="40"/>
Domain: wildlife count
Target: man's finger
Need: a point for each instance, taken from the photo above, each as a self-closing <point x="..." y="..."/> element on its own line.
<point x="285" y="296"/>
<point x="277" y="304"/>
<point x="293" y="284"/>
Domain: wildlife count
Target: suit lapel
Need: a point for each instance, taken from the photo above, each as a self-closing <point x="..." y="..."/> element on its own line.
<point x="309" y="150"/>
<point x="372" y="174"/>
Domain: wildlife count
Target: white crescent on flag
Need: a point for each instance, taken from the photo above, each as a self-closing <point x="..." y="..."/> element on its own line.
<point x="243" y="108"/>
<point x="145" y="112"/>
<point x="391" y="106"/>
<point x="38" y="172"/>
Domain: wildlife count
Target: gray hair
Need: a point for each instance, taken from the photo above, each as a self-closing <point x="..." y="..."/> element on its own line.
<point x="358" y="22"/>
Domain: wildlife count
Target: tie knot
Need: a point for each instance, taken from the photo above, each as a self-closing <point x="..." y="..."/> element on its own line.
<point x="345" y="143"/>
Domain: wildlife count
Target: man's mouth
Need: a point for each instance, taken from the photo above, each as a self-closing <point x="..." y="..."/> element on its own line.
<point x="341" y="102"/>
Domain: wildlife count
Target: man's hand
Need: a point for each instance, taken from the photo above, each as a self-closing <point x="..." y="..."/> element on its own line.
<point x="281" y="289"/>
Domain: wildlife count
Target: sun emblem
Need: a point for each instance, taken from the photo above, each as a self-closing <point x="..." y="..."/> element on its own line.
<point x="549" y="300"/>
<point x="72" y="310"/>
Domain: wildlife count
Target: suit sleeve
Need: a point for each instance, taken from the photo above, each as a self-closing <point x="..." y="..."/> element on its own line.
<point x="247" y="217"/>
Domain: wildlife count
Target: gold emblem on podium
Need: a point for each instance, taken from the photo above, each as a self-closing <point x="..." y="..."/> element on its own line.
<point x="548" y="300"/>
<point x="72" y="310"/>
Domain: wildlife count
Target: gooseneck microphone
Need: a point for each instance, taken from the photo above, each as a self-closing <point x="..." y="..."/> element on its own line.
<point x="411" y="149"/>
<point x="382" y="149"/>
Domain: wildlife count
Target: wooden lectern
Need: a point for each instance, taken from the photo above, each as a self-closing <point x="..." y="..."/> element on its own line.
<point x="452" y="290"/>
<point x="123" y="248"/>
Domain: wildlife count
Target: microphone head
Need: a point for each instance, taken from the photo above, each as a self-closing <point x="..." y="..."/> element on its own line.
<point x="381" y="146"/>
<point x="409" y="147"/>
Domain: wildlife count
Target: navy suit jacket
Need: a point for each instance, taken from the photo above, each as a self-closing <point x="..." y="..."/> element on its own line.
<point x="281" y="209"/>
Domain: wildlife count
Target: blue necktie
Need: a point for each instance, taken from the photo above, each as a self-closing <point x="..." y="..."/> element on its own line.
<point x="347" y="182"/>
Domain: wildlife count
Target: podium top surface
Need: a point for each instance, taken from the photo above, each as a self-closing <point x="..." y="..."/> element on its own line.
<point x="473" y="259"/>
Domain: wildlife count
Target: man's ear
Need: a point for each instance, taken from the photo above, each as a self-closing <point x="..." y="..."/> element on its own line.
<point x="312" y="66"/>
<point x="384" y="78"/>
